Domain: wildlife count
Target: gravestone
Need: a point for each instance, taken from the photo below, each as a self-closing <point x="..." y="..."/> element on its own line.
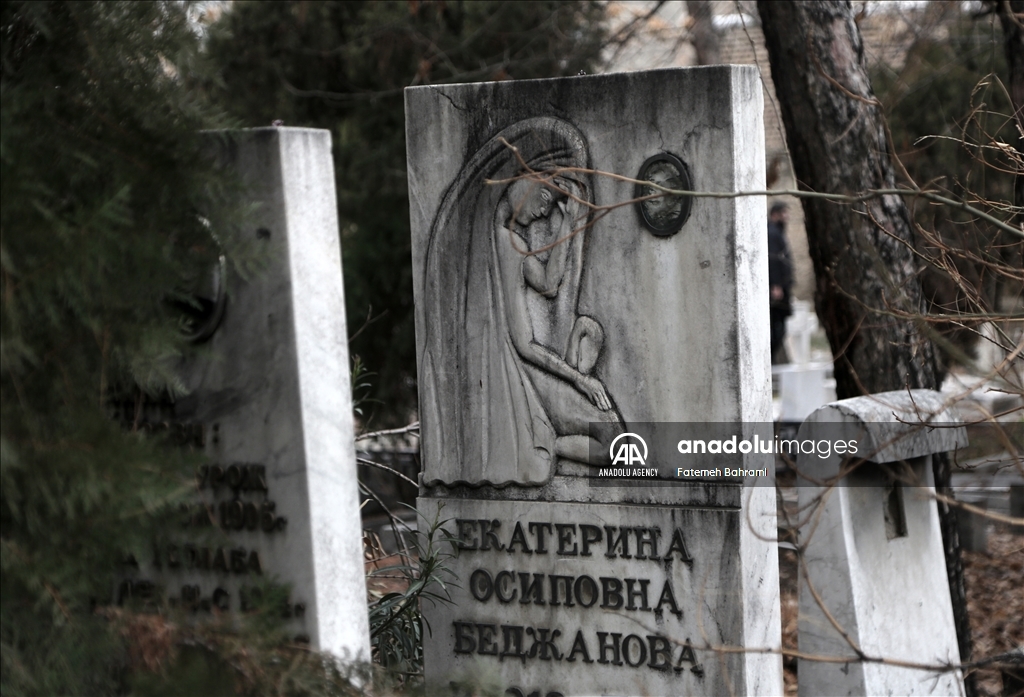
<point x="1017" y="507"/>
<point x="803" y="385"/>
<point x="548" y="330"/>
<point x="271" y="395"/>
<point x="803" y="388"/>
<point x="972" y="527"/>
<point x="873" y="548"/>
<point x="800" y="327"/>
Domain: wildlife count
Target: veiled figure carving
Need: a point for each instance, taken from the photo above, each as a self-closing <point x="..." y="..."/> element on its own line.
<point x="506" y="375"/>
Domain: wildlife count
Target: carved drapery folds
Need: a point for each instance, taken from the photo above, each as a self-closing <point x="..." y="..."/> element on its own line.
<point x="507" y="370"/>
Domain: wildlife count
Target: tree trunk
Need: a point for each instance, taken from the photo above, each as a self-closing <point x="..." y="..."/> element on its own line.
<point x="867" y="295"/>
<point x="862" y="258"/>
<point x="1011" y="16"/>
<point x="702" y="30"/>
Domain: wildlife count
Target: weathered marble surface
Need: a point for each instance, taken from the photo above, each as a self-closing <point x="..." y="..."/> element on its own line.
<point x="874" y="552"/>
<point x="683" y="336"/>
<point x="522" y="345"/>
<point x="603" y="574"/>
<point x="272" y="391"/>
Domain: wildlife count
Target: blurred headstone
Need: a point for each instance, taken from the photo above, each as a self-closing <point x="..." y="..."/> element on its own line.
<point x="271" y="396"/>
<point x="803" y="386"/>
<point x="1017" y="507"/>
<point x="973" y="527"/>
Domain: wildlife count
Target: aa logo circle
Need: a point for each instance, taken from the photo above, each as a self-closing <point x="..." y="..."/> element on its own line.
<point x="626" y="450"/>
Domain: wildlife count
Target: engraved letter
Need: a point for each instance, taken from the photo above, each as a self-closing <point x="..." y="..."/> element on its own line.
<point x="481" y="585"/>
<point x="222" y="600"/>
<point x="603" y="647"/>
<point x="512" y="636"/>
<point x="519" y="538"/>
<point x="613" y="542"/>
<point x="647" y="537"/>
<point x="466" y="528"/>
<point x="566" y="535"/>
<point x="536" y="589"/>
<point x="464" y="641"/>
<point x="586" y="589"/>
<point x="687" y="655"/>
<point x="220" y="561"/>
<point x="661" y="653"/>
<point x="487" y="647"/>
<point x="539" y="529"/>
<point x="611" y="592"/>
<point x="678" y="546"/>
<point x="501" y="587"/>
<point x="590" y="535"/>
<point x="546" y="646"/>
<point x="238" y="560"/>
<point x="632" y="594"/>
<point x="667" y="596"/>
<point x="487" y="535"/>
<point x="641" y="650"/>
<point x="579" y="646"/>
<point x="566" y="583"/>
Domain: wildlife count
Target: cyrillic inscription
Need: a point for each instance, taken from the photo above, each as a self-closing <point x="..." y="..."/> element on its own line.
<point x="613" y="588"/>
<point x="256" y="513"/>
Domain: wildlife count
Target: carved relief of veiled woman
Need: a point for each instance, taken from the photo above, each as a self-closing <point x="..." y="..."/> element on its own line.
<point x="506" y="376"/>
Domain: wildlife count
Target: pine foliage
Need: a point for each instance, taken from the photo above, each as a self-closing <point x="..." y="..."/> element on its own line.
<point x="106" y="210"/>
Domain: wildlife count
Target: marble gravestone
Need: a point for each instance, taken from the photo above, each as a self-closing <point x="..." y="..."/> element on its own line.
<point x="272" y="394"/>
<point x="545" y="325"/>
<point x="873" y="548"/>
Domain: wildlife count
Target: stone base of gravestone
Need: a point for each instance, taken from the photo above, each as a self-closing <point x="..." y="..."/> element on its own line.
<point x="549" y="319"/>
<point x="270" y="391"/>
<point x="876" y="574"/>
<point x="800" y="327"/>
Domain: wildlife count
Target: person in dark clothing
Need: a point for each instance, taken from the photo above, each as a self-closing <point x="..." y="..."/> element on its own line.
<point x="780" y="274"/>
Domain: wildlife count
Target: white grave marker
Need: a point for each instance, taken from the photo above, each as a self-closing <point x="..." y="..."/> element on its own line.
<point x="873" y="548"/>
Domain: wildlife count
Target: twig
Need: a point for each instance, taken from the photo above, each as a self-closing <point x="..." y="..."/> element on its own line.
<point x="860" y="197"/>
<point x="411" y="428"/>
<point x="371" y="463"/>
